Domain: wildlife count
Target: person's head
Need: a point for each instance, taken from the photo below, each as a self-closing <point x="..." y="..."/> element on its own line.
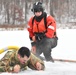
<point x="37" y="8"/>
<point x="23" y="54"/>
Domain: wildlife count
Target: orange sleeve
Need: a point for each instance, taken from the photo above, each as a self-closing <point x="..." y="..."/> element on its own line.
<point x="51" y="27"/>
<point x="30" y="30"/>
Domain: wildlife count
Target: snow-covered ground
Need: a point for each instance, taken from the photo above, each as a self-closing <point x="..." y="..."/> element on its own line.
<point x="66" y="49"/>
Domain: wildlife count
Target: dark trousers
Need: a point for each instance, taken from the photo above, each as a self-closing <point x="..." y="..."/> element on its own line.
<point x="45" y="46"/>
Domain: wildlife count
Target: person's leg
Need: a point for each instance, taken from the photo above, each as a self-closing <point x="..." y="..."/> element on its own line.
<point x="51" y="43"/>
<point x="36" y="49"/>
<point x="39" y="50"/>
<point x="33" y="47"/>
<point x="47" y="46"/>
<point x="54" y="42"/>
<point x="2" y="69"/>
<point x="48" y="55"/>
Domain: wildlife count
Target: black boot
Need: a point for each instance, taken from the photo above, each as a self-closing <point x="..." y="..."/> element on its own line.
<point x="50" y="59"/>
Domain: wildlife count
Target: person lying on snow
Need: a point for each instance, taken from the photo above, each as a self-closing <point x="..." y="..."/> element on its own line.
<point x="18" y="60"/>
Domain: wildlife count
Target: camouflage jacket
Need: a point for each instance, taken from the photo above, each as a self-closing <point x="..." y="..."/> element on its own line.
<point x="10" y="59"/>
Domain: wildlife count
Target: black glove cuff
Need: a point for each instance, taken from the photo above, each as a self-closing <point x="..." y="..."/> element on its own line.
<point x="30" y="38"/>
<point x="33" y="43"/>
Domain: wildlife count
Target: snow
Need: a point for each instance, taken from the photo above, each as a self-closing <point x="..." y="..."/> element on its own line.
<point x="65" y="49"/>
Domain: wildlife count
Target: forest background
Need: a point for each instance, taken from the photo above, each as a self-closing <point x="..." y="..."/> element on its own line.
<point x="16" y="13"/>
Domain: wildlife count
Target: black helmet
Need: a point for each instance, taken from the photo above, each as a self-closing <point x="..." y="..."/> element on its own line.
<point x="37" y="7"/>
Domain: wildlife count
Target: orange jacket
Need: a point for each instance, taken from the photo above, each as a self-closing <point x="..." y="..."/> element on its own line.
<point x="40" y="27"/>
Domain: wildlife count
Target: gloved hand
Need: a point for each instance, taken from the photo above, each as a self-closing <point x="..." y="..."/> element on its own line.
<point x="39" y="36"/>
<point x="33" y="43"/>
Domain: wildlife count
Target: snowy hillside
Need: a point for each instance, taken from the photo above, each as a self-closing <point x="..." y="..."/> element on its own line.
<point x="66" y="49"/>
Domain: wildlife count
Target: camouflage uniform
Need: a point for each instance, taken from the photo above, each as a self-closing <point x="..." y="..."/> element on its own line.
<point x="10" y="59"/>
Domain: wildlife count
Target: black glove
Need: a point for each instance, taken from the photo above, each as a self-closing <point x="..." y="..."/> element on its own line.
<point x="33" y="43"/>
<point x="30" y="38"/>
<point x="39" y="36"/>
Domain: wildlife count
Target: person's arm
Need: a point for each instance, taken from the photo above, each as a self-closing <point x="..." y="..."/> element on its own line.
<point x="51" y="27"/>
<point x="2" y="68"/>
<point x="16" y="68"/>
<point x="36" y="63"/>
<point x="6" y="63"/>
<point x="39" y="66"/>
<point x="5" y="68"/>
<point x="30" y="29"/>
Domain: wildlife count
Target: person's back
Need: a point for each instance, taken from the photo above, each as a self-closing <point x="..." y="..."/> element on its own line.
<point x="44" y="37"/>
